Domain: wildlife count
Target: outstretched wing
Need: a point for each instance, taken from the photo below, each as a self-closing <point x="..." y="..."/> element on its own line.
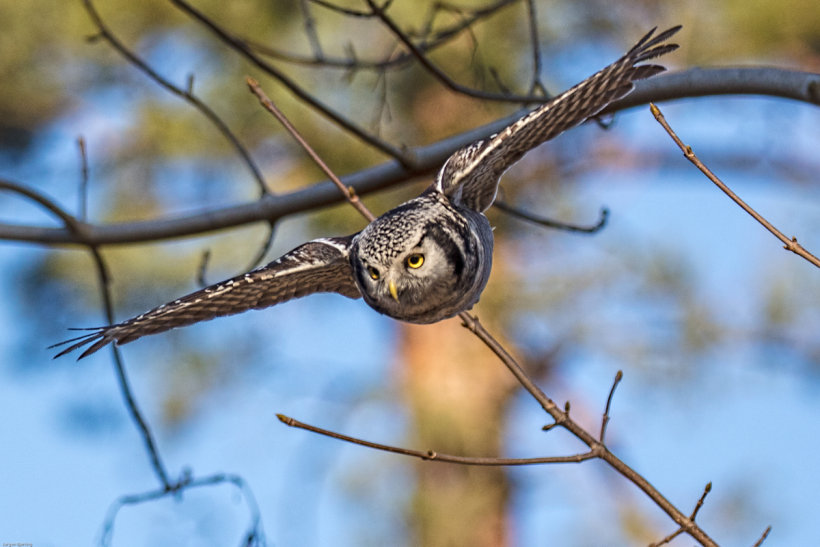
<point x="471" y="175"/>
<point x="321" y="265"/>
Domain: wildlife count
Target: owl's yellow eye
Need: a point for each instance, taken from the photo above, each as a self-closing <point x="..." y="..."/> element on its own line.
<point x="374" y="273"/>
<point x="414" y="261"/>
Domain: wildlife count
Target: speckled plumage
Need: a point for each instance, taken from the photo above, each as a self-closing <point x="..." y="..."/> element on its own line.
<point x="445" y="226"/>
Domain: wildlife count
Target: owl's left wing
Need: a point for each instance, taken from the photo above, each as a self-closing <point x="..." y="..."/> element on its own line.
<point x="471" y="175"/>
<point x="321" y="265"/>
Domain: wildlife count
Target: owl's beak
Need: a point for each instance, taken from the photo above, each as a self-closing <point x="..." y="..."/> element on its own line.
<point x="393" y="292"/>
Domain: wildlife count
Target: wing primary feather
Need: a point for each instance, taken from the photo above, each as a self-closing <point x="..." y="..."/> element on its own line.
<point x="470" y="176"/>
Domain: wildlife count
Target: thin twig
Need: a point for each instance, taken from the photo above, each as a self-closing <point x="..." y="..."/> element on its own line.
<point x="441" y="75"/>
<point x="667" y="539"/>
<point x="679" y="531"/>
<point x="344" y="11"/>
<point x="348" y="191"/>
<point x="605" y="420"/>
<point x="790" y="244"/>
<point x="760" y="541"/>
<point x="310" y="30"/>
<point x="83" y="194"/>
<point x="201" y="271"/>
<point x="253" y="536"/>
<point x="264" y="248"/>
<point x="432" y="455"/>
<point x="240" y="46"/>
<point x="702" y="498"/>
<point x="535" y="47"/>
<point x="186" y="94"/>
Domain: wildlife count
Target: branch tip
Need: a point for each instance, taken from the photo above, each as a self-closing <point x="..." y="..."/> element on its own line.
<point x="760" y="541"/>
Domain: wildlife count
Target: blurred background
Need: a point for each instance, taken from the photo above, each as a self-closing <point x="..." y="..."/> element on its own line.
<point x="714" y="325"/>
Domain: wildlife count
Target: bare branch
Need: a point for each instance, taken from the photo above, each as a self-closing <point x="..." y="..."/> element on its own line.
<point x="263" y="248"/>
<point x="691" y="83"/>
<point x="760" y="541"/>
<point x="240" y="46"/>
<point x="432" y="455"/>
<point x="441" y="75"/>
<point x="605" y="420"/>
<point x="535" y="47"/>
<point x="345" y="190"/>
<point x="339" y="9"/>
<point x="563" y="419"/>
<point x="186" y="94"/>
<point x="310" y="30"/>
<point x="667" y="539"/>
<point x="78" y="230"/>
<point x="83" y="197"/>
<point x="699" y="504"/>
<point x="253" y="536"/>
<point x="790" y="244"/>
<point x="679" y="531"/>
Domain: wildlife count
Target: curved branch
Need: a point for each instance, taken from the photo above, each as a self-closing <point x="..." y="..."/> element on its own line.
<point x="254" y="531"/>
<point x="549" y="223"/>
<point x="697" y="82"/>
<point x="790" y="244"/>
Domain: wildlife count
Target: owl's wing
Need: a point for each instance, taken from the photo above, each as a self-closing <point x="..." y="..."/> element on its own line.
<point x="471" y="175"/>
<point x="321" y="265"/>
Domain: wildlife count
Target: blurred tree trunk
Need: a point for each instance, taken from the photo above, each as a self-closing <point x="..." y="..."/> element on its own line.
<point x="457" y="392"/>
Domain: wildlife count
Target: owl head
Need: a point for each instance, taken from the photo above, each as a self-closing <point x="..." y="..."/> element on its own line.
<point x="420" y="262"/>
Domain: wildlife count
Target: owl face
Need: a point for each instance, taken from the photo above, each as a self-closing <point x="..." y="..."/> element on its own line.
<point x="419" y="262"/>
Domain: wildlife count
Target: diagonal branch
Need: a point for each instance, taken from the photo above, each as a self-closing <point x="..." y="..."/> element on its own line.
<point x="273" y="109"/>
<point x="790" y="244"/>
<point x="563" y="419"/>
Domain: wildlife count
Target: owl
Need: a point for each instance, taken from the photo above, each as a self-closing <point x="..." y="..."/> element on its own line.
<point x="426" y="260"/>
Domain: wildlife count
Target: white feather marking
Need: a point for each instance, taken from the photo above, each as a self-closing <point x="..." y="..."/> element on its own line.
<point x="335" y="244"/>
<point x="301" y="267"/>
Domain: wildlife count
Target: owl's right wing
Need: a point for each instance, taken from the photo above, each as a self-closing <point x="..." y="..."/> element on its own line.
<point x="321" y="265"/>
